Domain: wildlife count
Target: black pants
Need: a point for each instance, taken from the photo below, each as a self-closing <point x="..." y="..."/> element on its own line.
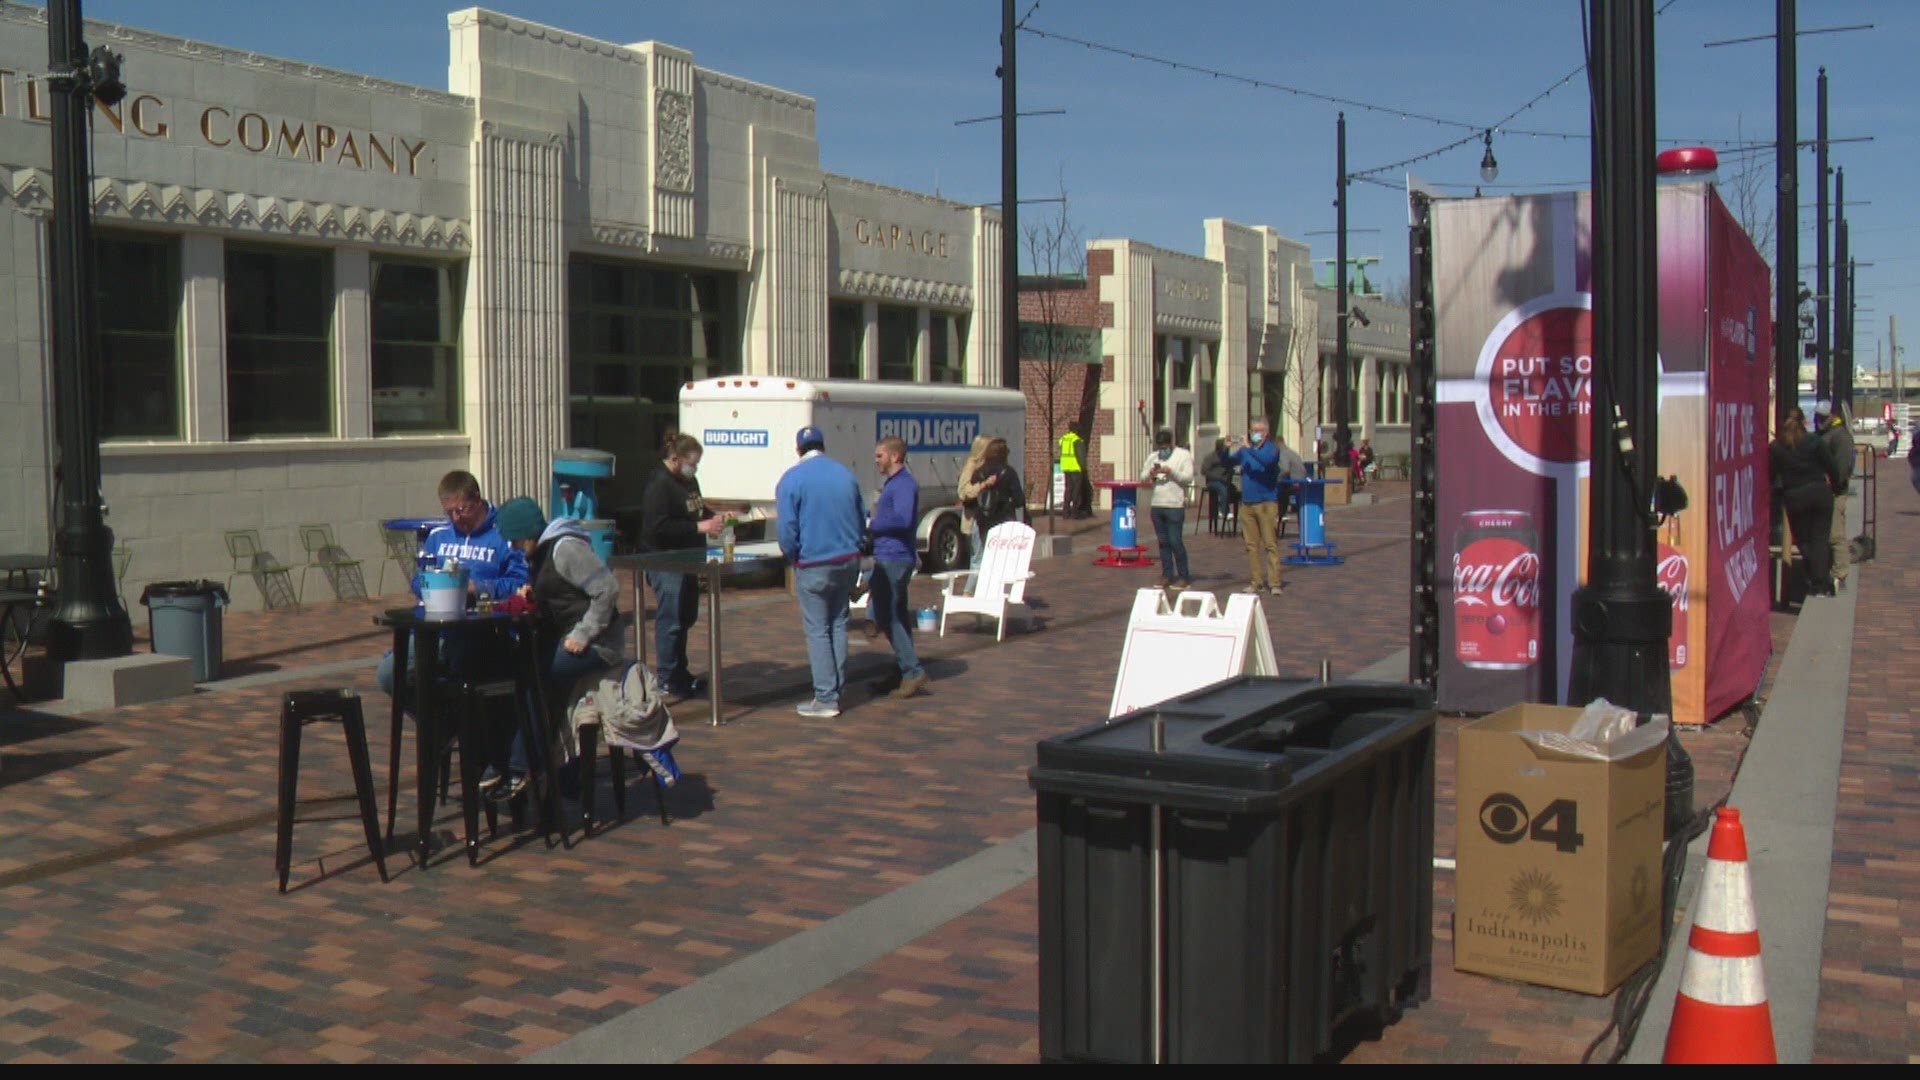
<point x="1810" y="516"/>
<point x="1079" y="495"/>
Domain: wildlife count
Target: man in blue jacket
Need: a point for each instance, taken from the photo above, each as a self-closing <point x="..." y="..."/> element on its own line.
<point x="896" y="519"/>
<point x="494" y="566"/>
<point x="1263" y="463"/>
<point x="822" y="520"/>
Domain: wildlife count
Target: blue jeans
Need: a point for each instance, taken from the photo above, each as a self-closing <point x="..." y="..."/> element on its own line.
<point x="557" y="678"/>
<point x="677" y="600"/>
<point x="1170" y="528"/>
<point x="822" y="592"/>
<point x="890" y="610"/>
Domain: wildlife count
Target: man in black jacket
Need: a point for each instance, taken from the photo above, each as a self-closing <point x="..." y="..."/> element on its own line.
<point x="675" y="517"/>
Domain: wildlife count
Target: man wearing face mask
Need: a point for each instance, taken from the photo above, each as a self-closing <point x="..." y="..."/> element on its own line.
<point x="676" y="518"/>
<point x="1262" y="464"/>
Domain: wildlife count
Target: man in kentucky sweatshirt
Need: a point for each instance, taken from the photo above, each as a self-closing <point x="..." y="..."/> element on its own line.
<point x="822" y="520"/>
<point x="494" y="567"/>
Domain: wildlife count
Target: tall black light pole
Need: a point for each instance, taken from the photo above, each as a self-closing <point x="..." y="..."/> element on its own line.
<point x="1842" y="360"/>
<point x="1822" y="286"/>
<point x="1621" y="618"/>
<point x="1342" y="428"/>
<point x="90" y="623"/>
<point x="1786" y="267"/>
<point x="1009" y="205"/>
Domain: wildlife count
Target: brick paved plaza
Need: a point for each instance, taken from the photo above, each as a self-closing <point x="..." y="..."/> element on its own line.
<point x="139" y="919"/>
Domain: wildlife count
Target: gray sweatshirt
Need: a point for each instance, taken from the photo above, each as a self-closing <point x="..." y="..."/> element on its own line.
<point x="574" y="559"/>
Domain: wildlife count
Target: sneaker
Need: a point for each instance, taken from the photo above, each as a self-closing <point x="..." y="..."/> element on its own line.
<point x="818" y="710"/>
<point x="489" y="779"/>
<point x="911" y="685"/>
<point x="1163" y="583"/>
<point x="1253" y="588"/>
<point x="886" y="684"/>
<point x="693" y="687"/>
<point x="1276" y="590"/>
<point x="510" y="789"/>
<point x="1183" y="583"/>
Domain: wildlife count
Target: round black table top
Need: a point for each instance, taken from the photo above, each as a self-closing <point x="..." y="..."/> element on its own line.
<point x="13" y="564"/>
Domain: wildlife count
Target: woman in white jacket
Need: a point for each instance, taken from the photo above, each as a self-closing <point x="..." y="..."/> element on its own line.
<point x="1170" y="469"/>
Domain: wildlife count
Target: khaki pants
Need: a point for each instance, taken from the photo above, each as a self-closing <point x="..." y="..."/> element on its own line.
<point x="1842" y="543"/>
<point x="1261" y="523"/>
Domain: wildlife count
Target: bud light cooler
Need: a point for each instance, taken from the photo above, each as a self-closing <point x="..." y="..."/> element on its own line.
<point x="1123" y="547"/>
<point x="1313" y="548"/>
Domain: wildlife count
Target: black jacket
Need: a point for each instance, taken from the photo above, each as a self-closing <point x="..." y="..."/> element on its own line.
<point x="1802" y="475"/>
<point x="670" y="514"/>
<point x="1000" y="503"/>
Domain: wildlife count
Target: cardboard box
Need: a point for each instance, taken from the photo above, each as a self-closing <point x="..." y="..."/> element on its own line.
<point x="1339" y="492"/>
<point x="1557" y="872"/>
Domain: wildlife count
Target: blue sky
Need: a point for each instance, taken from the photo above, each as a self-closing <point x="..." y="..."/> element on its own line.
<point x="1147" y="152"/>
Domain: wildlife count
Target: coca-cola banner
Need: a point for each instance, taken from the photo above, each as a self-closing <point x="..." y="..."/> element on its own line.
<point x="1515" y="363"/>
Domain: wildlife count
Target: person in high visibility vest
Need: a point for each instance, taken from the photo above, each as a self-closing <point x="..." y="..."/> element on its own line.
<point x="1079" y="493"/>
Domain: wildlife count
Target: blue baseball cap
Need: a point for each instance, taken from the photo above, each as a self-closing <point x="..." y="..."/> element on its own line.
<point x="809" y="436"/>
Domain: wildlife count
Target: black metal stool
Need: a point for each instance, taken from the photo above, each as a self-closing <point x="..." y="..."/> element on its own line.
<point x="479" y="703"/>
<point x="297" y="710"/>
<point x="617" y="756"/>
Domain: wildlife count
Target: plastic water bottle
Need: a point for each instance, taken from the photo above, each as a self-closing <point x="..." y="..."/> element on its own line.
<point x="726" y="540"/>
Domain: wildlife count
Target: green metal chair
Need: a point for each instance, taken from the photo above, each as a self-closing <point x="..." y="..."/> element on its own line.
<point x="340" y="569"/>
<point x="403" y="545"/>
<point x="251" y="557"/>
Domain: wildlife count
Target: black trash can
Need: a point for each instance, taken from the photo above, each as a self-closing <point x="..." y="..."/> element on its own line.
<point x="1233" y="874"/>
<point x="184" y="619"/>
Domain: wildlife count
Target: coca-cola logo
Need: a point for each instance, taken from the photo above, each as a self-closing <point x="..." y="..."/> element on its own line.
<point x="1672" y="575"/>
<point x="1513" y="583"/>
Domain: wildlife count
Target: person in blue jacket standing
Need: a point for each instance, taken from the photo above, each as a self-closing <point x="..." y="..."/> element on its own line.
<point x="494" y="567"/>
<point x="1263" y="463"/>
<point x="822" y="525"/>
<point x="896" y="518"/>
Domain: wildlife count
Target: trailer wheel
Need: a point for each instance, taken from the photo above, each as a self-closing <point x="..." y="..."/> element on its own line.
<point x="943" y="545"/>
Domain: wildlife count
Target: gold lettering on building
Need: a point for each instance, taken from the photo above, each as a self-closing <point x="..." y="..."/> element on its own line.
<point x="158" y="128"/>
<point x="893" y="237"/>
<point x="149" y="116"/>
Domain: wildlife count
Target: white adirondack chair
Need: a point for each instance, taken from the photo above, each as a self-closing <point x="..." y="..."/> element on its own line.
<point x="999" y="584"/>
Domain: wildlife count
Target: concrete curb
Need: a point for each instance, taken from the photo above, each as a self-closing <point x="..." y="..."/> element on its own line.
<point x="1786" y="792"/>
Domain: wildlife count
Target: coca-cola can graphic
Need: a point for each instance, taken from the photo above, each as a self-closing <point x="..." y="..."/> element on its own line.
<point x="1496" y="590"/>
<point x="1672" y="575"/>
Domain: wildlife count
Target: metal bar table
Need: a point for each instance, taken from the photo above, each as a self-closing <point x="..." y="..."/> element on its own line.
<point x="416" y="632"/>
<point x="752" y="558"/>
<point x="9" y="600"/>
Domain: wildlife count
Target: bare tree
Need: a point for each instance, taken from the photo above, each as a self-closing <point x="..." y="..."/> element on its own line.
<point x="1749" y="189"/>
<point x="1300" y="398"/>
<point x="1056" y="348"/>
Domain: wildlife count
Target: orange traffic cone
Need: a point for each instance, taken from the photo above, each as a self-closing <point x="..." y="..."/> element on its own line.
<point x="1721" y="1014"/>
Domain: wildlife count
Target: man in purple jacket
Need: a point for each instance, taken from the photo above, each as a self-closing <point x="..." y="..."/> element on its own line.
<point x="896" y="517"/>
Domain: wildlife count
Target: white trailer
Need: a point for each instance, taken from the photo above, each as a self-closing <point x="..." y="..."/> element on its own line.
<point x="747" y="425"/>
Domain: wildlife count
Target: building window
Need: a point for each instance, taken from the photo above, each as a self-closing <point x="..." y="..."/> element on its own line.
<point x="279" y="341"/>
<point x="416" y="345"/>
<point x="899" y="341"/>
<point x="947" y="348"/>
<point x="137" y="301"/>
<point x="846" y="339"/>
<point x="1204" y="369"/>
<point x="636" y="333"/>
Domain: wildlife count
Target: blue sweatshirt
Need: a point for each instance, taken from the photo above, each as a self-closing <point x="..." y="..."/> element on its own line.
<point x="498" y="568"/>
<point x="1259" y="472"/>
<point x="896" y="519"/>
<point x="821" y="512"/>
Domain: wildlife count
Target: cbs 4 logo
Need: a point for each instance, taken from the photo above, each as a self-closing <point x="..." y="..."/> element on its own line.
<point x="1505" y="820"/>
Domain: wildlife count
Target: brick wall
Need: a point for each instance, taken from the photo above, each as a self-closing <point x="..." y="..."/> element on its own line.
<point x="1077" y="391"/>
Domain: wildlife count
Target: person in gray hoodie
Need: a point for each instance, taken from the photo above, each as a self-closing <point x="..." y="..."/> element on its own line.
<point x="575" y="595"/>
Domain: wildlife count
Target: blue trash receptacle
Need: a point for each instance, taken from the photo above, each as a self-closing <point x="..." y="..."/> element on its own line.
<point x="184" y="619"/>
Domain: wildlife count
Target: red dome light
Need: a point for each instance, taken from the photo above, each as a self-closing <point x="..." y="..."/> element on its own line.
<point x="1687" y="161"/>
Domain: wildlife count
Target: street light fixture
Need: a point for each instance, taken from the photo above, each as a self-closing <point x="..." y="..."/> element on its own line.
<point x="1489" y="168"/>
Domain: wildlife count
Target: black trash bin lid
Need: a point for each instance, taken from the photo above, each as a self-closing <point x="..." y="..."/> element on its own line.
<point x="202" y="587"/>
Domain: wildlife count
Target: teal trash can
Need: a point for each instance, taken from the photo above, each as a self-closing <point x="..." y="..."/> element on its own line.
<point x="184" y="619"/>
